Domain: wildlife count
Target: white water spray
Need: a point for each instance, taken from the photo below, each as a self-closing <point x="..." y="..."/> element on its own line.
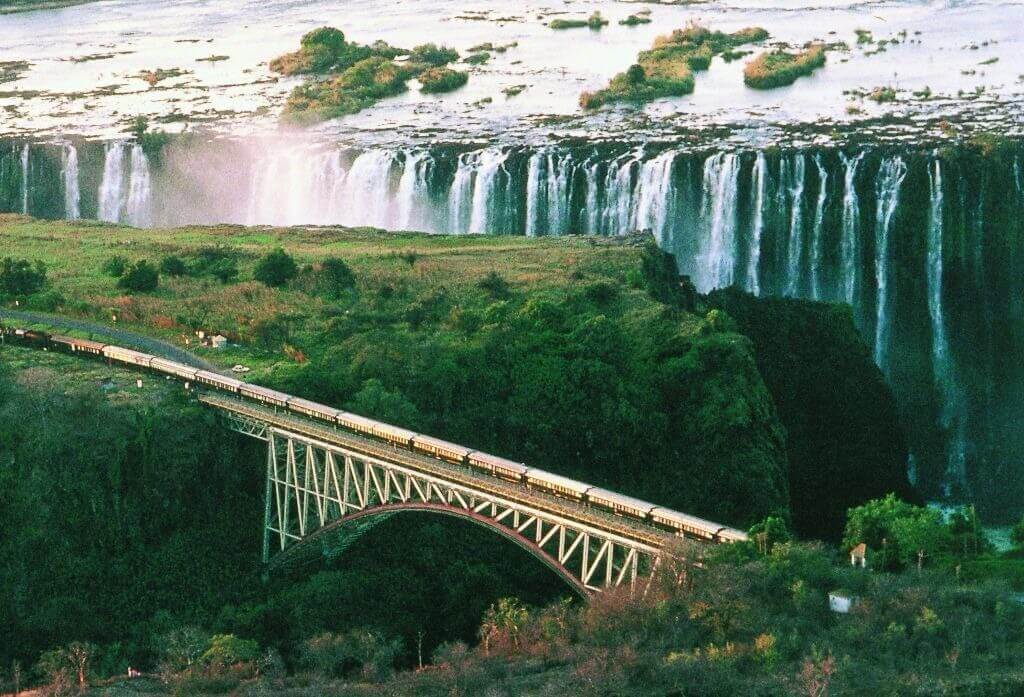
<point x="759" y="187"/>
<point x="69" y="175"/>
<point x="817" y="229"/>
<point x="890" y="176"/>
<point x="718" y="212"/>
<point x="849" y="242"/>
<point x="111" y="193"/>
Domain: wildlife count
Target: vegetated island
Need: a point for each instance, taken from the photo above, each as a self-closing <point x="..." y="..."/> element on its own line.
<point x="594" y="21"/>
<point x="347" y="77"/>
<point x="666" y="70"/>
<point x="780" y="68"/>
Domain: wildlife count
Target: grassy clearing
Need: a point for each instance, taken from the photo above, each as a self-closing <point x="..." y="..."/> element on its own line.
<point x="779" y="68"/>
<point x="666" y="70"/>
<point x="392" y="270"/>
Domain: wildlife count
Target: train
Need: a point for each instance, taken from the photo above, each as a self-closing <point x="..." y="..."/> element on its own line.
<point x="672" y="521"/>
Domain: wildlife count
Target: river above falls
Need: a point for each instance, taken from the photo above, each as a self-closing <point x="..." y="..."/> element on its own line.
<point x="84" y="66"/>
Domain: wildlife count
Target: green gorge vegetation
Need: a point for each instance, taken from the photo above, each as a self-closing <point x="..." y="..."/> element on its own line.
<point x="666" y="70"/>
<point x="586" y="357"/>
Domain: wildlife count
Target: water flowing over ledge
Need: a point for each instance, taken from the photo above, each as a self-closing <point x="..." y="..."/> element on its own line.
<point x="925" y="245"/>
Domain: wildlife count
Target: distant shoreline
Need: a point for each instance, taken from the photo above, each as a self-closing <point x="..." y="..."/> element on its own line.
<point x="8" y="7"/>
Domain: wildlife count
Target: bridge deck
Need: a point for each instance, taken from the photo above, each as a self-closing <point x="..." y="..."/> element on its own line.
<point x="634" y="530"/>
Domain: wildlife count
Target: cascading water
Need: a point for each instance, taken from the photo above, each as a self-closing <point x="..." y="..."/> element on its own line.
<point x="759" y="187"/>
<point x="137" y="211"/>
<point x="817" y="244"/>
<point x="849" y="244"/>
<point x="69" y="177"/>
<point x="795" y="251"/>
<point x="25" y="173"/>
<point x="483" y="213"/>
<point x="942" y="362"/>
<point x="715" y="263"/>
<point x="655" y="195"/>
<point x="414" y="192"/>
<point x="887" y="195"/>
<point x="111" y="193"/>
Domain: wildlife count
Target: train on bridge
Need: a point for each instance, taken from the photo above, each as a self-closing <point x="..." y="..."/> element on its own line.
<point x="678" y="523"/>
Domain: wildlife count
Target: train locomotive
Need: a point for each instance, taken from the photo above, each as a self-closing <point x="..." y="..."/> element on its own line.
<point x="678" y="523"/>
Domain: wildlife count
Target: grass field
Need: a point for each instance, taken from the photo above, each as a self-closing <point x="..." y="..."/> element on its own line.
<point x="392" y="272"/>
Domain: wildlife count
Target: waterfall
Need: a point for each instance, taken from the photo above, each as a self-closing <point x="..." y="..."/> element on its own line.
<point x="942" y="362"/>
<point x="138" y="205"/>
<point x="592" y="212"/>
<point x="111" y="193"/>
<point x="533" y="179"/>
<point x="849" y="243"/>
<point x="69" y="175"/>
<point x="461" y="191"/>
<point x="796" y="226"/>
<point x="817" y="230"/>
<point x="655" y="195"/>
<point x="759" y="187"/>
<point x="558" y="179"/>
<point x="718" y="213"/>
<point x="618" y="194"/>
<point x="1018" y="176"/>
<point x="367" y="194"/>
<point x="890" y="176"/>
<point x="484" y="214"/>
<point x="24" y="179"/>
<point x="413" y="192"/>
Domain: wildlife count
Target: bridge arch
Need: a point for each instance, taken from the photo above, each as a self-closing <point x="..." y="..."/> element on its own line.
<point x="320" y="478"/>
<point x="386" y="510"/>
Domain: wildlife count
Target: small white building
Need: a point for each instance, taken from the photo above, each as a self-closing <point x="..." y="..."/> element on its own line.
<point x="218" y="342"/>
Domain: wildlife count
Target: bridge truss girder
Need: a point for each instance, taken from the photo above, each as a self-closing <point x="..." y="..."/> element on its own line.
<point x="313" y="487"/>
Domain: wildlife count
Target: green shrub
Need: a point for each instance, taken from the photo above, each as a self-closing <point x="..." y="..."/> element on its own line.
<point x="275" y="269"/>
<point x="434" y="55"/>
<point x="779" y="68"/>
<point x="494" y="285"/>
<point x="882" y="95"/>
<point x="478" y="58"/>
<point x="115" y="266"/>
<point x="437" y="80"/>
<point x="141" y="277"/>
<point x="357" y="88"/>
<point x="634" y="20"/>
<point x="567" y="23"/>
<point x="173" y="266"/>
<point x="21" y="277"/>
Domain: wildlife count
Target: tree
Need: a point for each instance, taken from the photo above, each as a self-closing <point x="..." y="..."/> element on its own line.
<point x="636" y="74"/>
<point x="227" y="650"/>
<point x="224" y="270"/>
<point x="1017" y="534"/>
<point x="141" y="277"/>
<point x="335" y="277"/>
<point x="275" y="269"/>
<point x="896" y="531"/>
<point x="769" y="532"/>
<point x="173" y="266"/>
<point x="21" y="277"/>
<point x="115" y="266"/>
<point x="181" y="649"/>
<point x="377" y="401"/>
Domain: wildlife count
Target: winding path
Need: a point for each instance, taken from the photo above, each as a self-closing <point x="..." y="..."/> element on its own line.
<point x="157" y="347"/>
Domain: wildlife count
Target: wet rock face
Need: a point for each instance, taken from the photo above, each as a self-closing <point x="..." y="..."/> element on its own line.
<point x="922" y="243"/>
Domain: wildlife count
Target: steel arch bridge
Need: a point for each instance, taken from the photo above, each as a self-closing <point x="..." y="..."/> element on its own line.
<point x="320" y="479"/>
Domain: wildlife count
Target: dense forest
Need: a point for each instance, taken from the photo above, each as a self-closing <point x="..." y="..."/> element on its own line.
<point x="133" y="525"/>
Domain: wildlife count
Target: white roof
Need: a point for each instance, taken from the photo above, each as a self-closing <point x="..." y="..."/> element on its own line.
<point x="557" y="479"/>
<point x="638" y="504"/>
